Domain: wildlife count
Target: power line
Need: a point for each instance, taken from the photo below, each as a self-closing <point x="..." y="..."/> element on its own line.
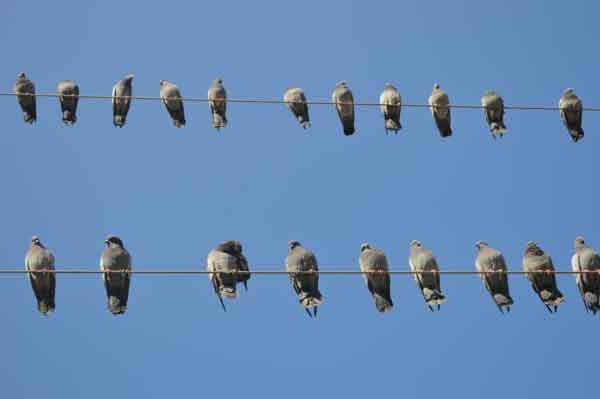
<point x="268" y="101"/>
<point x="282" y="272"/>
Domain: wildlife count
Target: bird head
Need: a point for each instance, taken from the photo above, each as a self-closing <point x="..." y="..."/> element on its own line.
<point x="129" y="77"/>
<point x="436" y="86"/>
<point x="113" y="240"/>
<point x="481" y="244"/>
<point x="35" y="240"/>
<point x="21" y="75"/>
<point x="415" y="243"/>
<point x="579" y="241"/>
<point x="364" y="246"/>
<point x="293" y="244"/>
<point x="342" y="83"/>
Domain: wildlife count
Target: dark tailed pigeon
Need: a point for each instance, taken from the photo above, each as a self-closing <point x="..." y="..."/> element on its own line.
<point x="439" y="102"/>
<point x="217" y="97"/>
<point x="540" y="272"/>
<point x="68" y="92"/>
<point x="301" y="264"/>
<point x="121" y="105"/>
<point x="43" y="283"/>
<point x="225" y="263"/>
<point x="427" y="274"/>
<point x="390" y="105"/>
<point x="170" y="96"/>
<point x="296" y="101"/>
<point x="491" y="266"/>
<point x="586" y="264"/>
<point x="493" y="108"/>
<point x="571" y="113"/>
<point x="344" y="105"/>
<point x="115" y="262"/>
<point x="25" y="91"/>
<point x="374" y="266"/>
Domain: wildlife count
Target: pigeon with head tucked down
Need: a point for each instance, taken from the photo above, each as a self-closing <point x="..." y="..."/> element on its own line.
<point x="390" y="105"/>
<point x="493" y="108"/>
<point x="25" y="91"/>
<point x="224" y="264"/>
<point x="68" y="92"/>
<point x="295" y="99"/>
<point x="571" y="113"/>
<point x="586" y="264"/>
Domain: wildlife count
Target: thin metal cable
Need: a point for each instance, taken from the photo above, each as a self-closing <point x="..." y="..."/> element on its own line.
<point x="267" y="101"/>
<point x="281" y="272"/>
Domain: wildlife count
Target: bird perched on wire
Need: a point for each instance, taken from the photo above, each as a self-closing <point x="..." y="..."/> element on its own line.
<point x="391" y="105"/>
<point x="25" y="91"/>
<point x="225" y="263"/>
<point x="295" y="100"/>
<point x="40" y="259"/>
<point x="493" y="108"/>
<point x="426" y="272"/>
<point x="374" y="266"/>
<point x="170" y="95"/>
<point x="344" y="105"/>
<point x="120" y="105"/>
<point x="439" y="104"/>
<point x="540" y="272"/>
<point x="115" y="262"/>
<point x="491" y="266"/>
<point x="301" y="264"/>
<point x="217" y="97"/>
<point x="68" y="92"/>
<point x="586" y="264"/>
<point x="571" y="113"/>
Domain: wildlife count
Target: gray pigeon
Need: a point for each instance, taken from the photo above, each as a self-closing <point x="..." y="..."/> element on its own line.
<point x="391" y="105"/>
<point x="588" y="261"/>
<point x="439" y="102"/>
<point x="121" y="105"/>
<point x="224" y="262"/>
<point x="426" y="271"/>
<point x="216" y="99"/>
<point x="298" y="263"/>
<point x="379" y="284"/>
<point x="540" y="272"/>
<point x="170" y="96"/>
<point x="344" y="105"/>
<point x="69" y="92"/>
<point x="116" y="260"/>
<point x="296" y="101"/>
<point x="22" y="87"/>
<point x="571" y="112"/>
<point x="43" y="284"/>
<point x="491" y="266"/>
<point x="493" y="108"/>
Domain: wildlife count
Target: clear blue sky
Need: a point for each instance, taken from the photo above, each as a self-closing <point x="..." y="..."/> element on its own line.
<point x="172" y="194"/>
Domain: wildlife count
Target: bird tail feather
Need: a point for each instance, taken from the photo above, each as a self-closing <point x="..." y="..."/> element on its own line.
<point x="433" y="297"/>
<point x="118" y="120"/>
<point x="69" y="117"/>
<point x="503" y="300"/>
<point x="348" y="127"/>
<point x="219" y="121"/>
<point x="383" y="304"/>
<point x="391" y="124"/>
<point x="576" y="134"/>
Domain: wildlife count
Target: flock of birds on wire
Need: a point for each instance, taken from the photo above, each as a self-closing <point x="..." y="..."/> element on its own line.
<point x="390" y="101"/>
<point x="227" y="267"/>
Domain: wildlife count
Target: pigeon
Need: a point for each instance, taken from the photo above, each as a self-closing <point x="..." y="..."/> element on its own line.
<point x="224" y="262"/>
<point x="540" y="272"/>
<point x="438" y="102"/>
<point x="425" y="268"/>
<point x="296" y="101"/>
<point x="299" y="263"/>
<point x="493" y="107"/>
<point x="344" y="105"/>
<point x="391" y="104"/>
<point x="115" y="262"/>
<point x="216" y="99"/>
<point x="571" y="112"/>
<point x="121" y="105"/>
<point x="171" y="97"/>
<point x="491" y="266"/>
<point x="68" y="92"/>
<point x="22" y="87"/>
<point x="44" y="283"/>
<point x="374" y="260"/>
<point x="587" y="260"/>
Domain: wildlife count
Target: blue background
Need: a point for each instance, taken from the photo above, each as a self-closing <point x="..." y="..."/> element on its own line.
<point x="172" y="194"/>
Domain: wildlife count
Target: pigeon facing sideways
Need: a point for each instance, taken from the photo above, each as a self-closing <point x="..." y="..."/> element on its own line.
<point x="344" y="105"/>
<point x="571" y="113"/>
<point x="170" y="95"/>
<point x="493" y="108"/>
<point x="296" y="101"/>
<point x="374" y="266"/>
<point x="426" y="272"/>
<point x="439" y="102"/>
<point x="587" y="260"/>
<point x="43" y="284"/>
<point x="68" y="92"/>
<point x="540" y="272"/>
<point x="217" y="97"/>
<point x="491" y="265"/>
<point x="390" y="105"/>
<point x="116" y="263"/>
<point x="224" y="264"/>
<point x="299" y="263"/>
<point x="120" y="105"/>
<point x="22" y="87"/>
